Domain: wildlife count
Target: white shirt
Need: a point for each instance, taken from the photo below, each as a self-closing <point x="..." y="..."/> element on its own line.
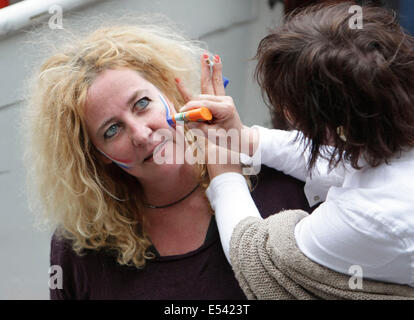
<point x="366" y="219"/>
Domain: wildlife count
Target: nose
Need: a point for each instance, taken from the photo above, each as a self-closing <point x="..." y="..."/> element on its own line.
<point x="139" y="132"/>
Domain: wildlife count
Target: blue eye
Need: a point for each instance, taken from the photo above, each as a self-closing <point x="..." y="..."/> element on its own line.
<point x="142" y="103"/>
<point x="112" y="130"/>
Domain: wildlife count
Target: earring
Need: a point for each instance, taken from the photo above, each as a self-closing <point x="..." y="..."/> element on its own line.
<point x="341" y="133"/>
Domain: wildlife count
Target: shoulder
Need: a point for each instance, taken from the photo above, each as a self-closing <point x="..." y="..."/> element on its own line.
<point x="75" y="268"/>
<point x="378" y="200"/>
<point x="62" y="252"/>
<point x="363" y="233"/>
<point x="61" y="249"/>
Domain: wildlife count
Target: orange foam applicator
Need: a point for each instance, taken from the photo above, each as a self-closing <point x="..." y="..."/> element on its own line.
<point x="194" y="115"/>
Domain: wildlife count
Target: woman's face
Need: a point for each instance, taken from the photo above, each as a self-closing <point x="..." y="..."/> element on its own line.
<point x="126" y="121"/>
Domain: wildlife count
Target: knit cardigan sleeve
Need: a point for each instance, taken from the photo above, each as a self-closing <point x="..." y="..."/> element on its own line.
<point x="268" y="265"/>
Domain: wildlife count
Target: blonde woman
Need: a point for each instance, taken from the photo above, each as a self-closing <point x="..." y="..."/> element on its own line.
<point x="128" y="227"/>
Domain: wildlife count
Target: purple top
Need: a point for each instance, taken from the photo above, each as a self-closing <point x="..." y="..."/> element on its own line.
<point x="202" y="274"/>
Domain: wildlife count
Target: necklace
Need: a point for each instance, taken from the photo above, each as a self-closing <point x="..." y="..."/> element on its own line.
<point x="147" y="205"/>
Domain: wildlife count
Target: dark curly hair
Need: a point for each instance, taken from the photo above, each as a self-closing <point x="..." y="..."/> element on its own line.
<point x="321" y="74"/>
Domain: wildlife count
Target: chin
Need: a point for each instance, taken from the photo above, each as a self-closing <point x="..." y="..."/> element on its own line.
<point x="158" y="171"/>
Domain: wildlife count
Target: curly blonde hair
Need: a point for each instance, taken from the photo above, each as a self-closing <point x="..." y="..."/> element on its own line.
<point x="93" y="205"/>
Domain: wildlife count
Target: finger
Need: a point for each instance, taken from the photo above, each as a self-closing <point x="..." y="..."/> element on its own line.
<point x="208" y="97"/>
<point x="206" y="81"/>
<point x="198" y="128"/>
<point x="221" y="109"/>
<point x="211" y="105"/>
<point x="185" y="93"/>
<point x="198" y="132"/>
<point x="217" y="77"/>
<point x="198" y="102"/>
<point x="190" y="106"/>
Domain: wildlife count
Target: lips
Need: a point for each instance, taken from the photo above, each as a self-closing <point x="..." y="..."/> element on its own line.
<point x="147" y="158"/>
<point x="156" y="149"/>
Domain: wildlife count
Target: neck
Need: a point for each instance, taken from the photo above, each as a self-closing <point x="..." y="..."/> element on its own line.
<point x="182" y="227"/>
<point x="151" y="206"/>
<point x="171" y="188"/>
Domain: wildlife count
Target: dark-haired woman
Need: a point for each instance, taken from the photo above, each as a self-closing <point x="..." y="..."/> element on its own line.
<point x="349" y="93"/>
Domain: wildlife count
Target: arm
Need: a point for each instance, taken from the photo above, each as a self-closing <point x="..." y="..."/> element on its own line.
<point x="230" y="198"/>
<point x="285" y="151"/>
<point x="278" y="149"/>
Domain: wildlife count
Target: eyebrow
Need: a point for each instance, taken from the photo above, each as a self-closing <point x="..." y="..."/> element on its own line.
<point x="130" y="100"/>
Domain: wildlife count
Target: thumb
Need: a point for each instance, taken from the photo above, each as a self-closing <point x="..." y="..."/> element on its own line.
<point x="198" y="128"/>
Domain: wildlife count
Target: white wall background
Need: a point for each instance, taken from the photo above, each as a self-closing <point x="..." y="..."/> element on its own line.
<point x="231" y="28"/>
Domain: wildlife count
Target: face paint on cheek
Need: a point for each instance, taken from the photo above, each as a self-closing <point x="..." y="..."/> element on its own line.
<point x="125" y="164"/>
<point x="167" y="112"/>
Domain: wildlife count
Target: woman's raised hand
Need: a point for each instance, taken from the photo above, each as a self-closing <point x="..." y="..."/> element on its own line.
<point x="225" y="123"/>
<point x="225" y="115"/>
